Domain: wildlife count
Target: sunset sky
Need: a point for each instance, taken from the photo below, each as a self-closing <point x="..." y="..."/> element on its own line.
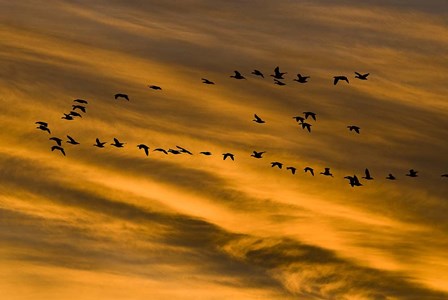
<point x="114" y="224"/>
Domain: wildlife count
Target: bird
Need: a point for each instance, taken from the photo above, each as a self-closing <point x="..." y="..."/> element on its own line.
<point x="368" y="177"/>
<point x="206" y="81"/>
<point x="238" y="75"/>
<point x="58" y="148"/>
<point x="353" y="127"/>
<point x="361" y="76"/>
<point x="278" y="82"/>
<point x="310" y="114"/>
<point x="144" y="147"/>
<point x="353" y="180"/>
<point x="44" y="128"/>
<point x="257" y="73"/>
<point x="42" y="123"/>
<point x="258" y="119"/>
<point x="99" y="144"/>
<point x="57" y="140"/>
<point x="337" y="78"/>
<point x="160" y="150"/>
<point x="306" y="125"/>
<point x="173" y="151"/>
<point x="183" y="150"/>
<point x="299" y="119"/>
<point x="444" y="175"/>
<point x="80" y="107"/>
<point x="67" y="117"/>
<point x="258" y="154"/>
<point x="308" y="169"/>
<point x="71" y="140"/>
<point x="155" y="87"/>
<point x="81" y="101"/>
<point x="276" y="164"/>
<point x="74" y="114"/>
<point x="278" y="74"/>
<point x="327" y="172"/>
<point x="117" y="143"/>
<point x="390" y="177"/>
<point x="205" y="153"/>
<point x="412" y="173"/>
<point x="121" y="96"/>
<point x="293" y="170"/>
<point x="225" y="155"/>
<point x="302" y="79"/>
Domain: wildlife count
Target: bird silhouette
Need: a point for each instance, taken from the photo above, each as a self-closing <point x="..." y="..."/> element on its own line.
<point x="80" y="107"/>
<point x="144" y="147"/>
<point x="257" y="73"/>
<point x="277" y="74"/>
<point x="44" y="128"/>
<point x="117" y="143"/>
<point x="327" y="172"/>
<point x="81" y="101"/>
<point x="183" y="150"/>
<point x="306" y="125"/>
<point x="58" y="148"/>
<point x="302" y="79"/>
<point x="354" y="128"/>
<point x="310" y="114"/>
<point x="337" y="78"/>
<point x="276" y="164"/>
<point x="99" y="144"/>
<point x="368" y="177"/>
<point x="74" y="114"/>
<point x="173" y="151"/>
<point x="238" y="75"/>
<point x="205" y="153"/>
<point x="57" y="140"/>
<point x="444" y="175"/>
<point x="67" y="117"/>
<point x="412" y="173"/>
<point x="278" y="82"/>
<point x="124" y="96"/>
<point x="160" y="150"/>
<point x="361" y="76"/>
<point x="390" y="177"/>
<point x="206" y="81"/>
<point x="353" y="180"/>
<point x="299" y="119"/>
<point x="41" y="123"/>
<point x="258" y="154"/>
<point x="308" y="169"/>
<point x="225" y="155"/>
<point x="258" y="119"/>
<point x="293" y="170"/>
<point x="72" y="140"/>
<point x="155" y="87"/>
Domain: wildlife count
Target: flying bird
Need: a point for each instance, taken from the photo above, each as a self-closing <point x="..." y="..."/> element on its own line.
<point x="58" y="148"/>
<point x="258" y="119"/>
<point x="337" y="78"/>
<point x="41" y="123"/>
<point x="44" y="128"/>
<point x="444" y="175"/>
<point x="353" y="180"/>
<point x="57" y="140"/>
<point x="299" y="119"/>
<point x="160" y="150"/>
<point x="361" y="76"/>
<point x="276" y="164"/>
<point x="117" y="143"/>
<point x="174" y="151"/>
<point x="67" y="117"/>
<point x="257" y="73"/>
<point x="155" y="87"/>
<point x="80" y="107"/>
<point x="121" y="96"/>
<point x="293" y="170"/>
<point x="308" y="169"/>
<point x="278" y="82"/>
<point x="99" y="144"/>
<point x="306" y="125"/>
<point x="258" y="154"/>
<point x="353" y="127"/>
<point x="74" y="114"/>
<point x="144" y="147"/>
<point x="310" y="114"/>
<point x="368" y="177"/>
<point x="206" y="81"/>
<point x="205" y="153"/>
<point x="327" y="172"/>
<point x="183" y="150"/>
<point x="225" y="155"/>
<point x="412" y="173"/>
<point x="71" y="140"/>
<point x="238" y="75"/>
<point x="277" y="74"/>
<point x="390" y="177"/>
<point x="302" y="79"/>
<point x="81" y="101"/>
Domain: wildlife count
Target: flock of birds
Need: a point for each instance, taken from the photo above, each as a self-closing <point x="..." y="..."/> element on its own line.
<point x="80" y="106"/>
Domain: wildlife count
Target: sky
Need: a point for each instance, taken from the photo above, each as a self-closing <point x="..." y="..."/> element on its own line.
<point x="112" y="223"/>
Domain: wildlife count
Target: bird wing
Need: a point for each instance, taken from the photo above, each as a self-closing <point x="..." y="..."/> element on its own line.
<point x="358" y="74"/>
<point x="335" y="81"/>
<point x="116" y="141"/>
<point x="367" y="173"/>
<point x="237" y="73"/>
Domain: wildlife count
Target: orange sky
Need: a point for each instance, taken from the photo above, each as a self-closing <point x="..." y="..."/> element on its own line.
<point x="114" y="224"/>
